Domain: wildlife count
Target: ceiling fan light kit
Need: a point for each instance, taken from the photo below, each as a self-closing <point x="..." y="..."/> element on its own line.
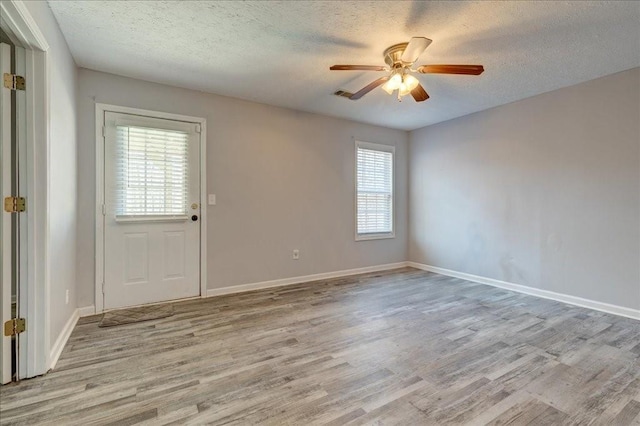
<point x="401" y="81"/>
<point x="400" y="58"/>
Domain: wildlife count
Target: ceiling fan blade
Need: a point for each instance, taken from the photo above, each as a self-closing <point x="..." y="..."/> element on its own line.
<point x="357" y="68"/>
<point x="369" y="87"/>
<point x="414" y="49"/>
<point x="451" y="69"/>
<point x="419" y="94"/>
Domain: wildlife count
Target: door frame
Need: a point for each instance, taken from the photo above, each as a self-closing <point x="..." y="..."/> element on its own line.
<point x="34" y="354"/>
<point x="6" y="170"/>
<point x="99" y="217"/>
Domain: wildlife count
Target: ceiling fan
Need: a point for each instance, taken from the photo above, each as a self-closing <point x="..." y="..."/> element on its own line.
<point x="400" y="58"/>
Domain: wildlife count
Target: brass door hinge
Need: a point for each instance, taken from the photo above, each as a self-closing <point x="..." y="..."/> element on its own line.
<point x="14" y="82"/>
<point x="15" y="326"/>
<point x="15" y="204"/>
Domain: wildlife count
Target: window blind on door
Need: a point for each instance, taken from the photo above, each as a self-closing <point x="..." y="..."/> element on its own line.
<point x="374" y="198"/>
<point x="152" y="172"/>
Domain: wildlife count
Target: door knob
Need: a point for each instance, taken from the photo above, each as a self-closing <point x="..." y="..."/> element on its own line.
<point x="194" y="217"/>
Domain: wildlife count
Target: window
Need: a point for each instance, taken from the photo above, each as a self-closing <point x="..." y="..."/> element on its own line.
<point x="374" y="191"/>
<point x="152" y="172"/>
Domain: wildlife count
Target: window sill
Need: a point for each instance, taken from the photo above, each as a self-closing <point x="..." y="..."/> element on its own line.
<point x="367" y="237"/>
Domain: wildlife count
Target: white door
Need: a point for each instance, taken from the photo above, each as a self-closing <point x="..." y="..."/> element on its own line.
<point x="152" y="210"/>
<point x="5" y="228"/>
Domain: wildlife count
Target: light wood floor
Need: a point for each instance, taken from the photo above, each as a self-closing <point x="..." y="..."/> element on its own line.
<point x="402" y="347"/>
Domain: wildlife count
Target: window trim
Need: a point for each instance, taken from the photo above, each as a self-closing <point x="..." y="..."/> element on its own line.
<point x="383" y="148"/>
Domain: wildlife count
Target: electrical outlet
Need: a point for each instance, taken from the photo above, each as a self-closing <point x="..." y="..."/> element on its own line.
<point x="296" y="254"/>
<point x="66" y="297"/>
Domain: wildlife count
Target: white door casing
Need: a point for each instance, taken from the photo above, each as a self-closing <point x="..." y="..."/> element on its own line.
<point x="32" y="110"/>
<point x="150" y="258"/>
<point x="5" y="229"/>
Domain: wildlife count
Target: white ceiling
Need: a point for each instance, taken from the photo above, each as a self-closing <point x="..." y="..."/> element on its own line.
<point x="279" y="53"/>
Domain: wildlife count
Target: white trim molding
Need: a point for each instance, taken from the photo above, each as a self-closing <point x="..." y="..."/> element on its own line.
<point x="87" y="311"/>
<point x="99" y="167"/>
<point x="242" y="288"/>
<point x="545" y="294"/>
<point x="63" y="337"/>
<point x="34" y="344"/>
<point x="22" y="25"/>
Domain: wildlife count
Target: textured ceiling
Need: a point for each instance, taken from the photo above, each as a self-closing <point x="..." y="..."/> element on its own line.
<point x="279" y="53"/>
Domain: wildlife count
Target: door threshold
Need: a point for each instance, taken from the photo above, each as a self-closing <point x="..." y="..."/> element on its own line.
<point x="149" y="304"/>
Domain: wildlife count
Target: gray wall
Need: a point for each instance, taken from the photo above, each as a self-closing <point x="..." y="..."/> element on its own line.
<point x="63" y="211"/>
<point x="284" y="180"/>
<point x="543" y="192"/>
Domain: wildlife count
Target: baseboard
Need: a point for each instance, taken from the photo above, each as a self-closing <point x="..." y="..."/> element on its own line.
<point x="86" y="311"/>
<point x="62" y="339"/>
<point x="546" y="294"/>
<point x="301" y="279"/>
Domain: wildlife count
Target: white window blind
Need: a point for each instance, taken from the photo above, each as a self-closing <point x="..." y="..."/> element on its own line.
<point x="152" y="172"/>
<point x="374" y="190"/>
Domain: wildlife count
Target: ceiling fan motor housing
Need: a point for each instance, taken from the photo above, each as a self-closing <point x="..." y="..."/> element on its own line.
<point x="393" y="55"/>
